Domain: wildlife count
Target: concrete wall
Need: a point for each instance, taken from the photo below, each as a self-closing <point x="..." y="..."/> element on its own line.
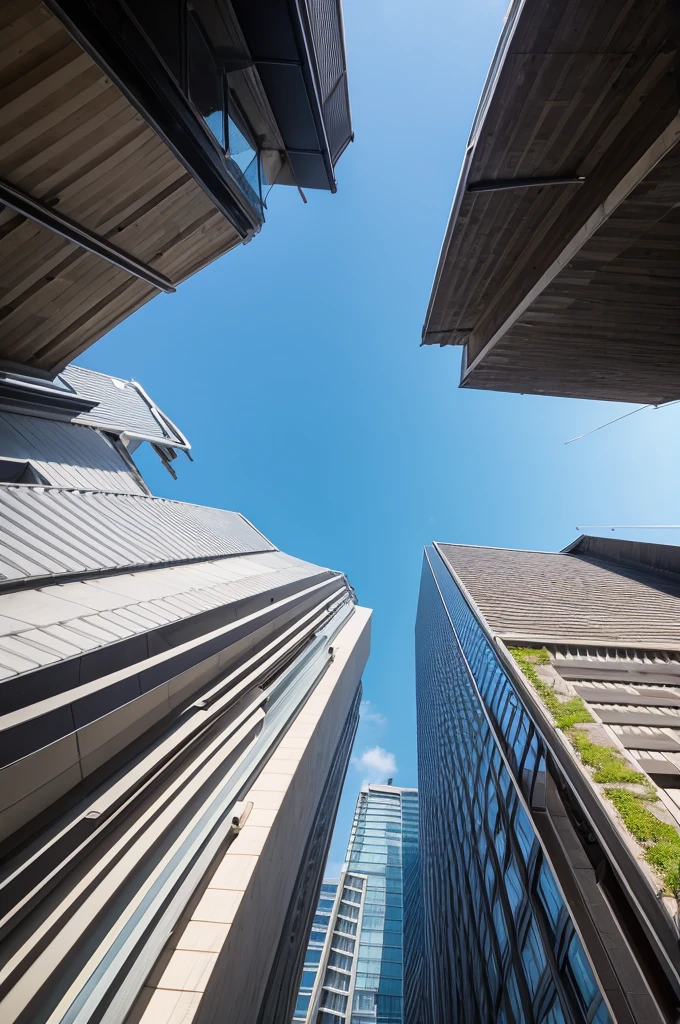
<point x="215" y="968"/>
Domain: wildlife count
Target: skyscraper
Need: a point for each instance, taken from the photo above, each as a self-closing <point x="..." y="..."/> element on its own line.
<point x="178" y="702"/>
<point x="547" y="700"/>
<point x="363" y="961"/>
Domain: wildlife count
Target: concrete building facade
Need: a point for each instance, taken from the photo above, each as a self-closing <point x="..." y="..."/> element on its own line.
<point x="178" y="702"/>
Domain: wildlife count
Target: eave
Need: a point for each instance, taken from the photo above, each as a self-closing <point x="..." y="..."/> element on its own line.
<point x="562" y="286"/>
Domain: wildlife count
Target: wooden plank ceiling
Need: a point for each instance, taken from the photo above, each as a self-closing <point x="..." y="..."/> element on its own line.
<point x="584" y="91"/>
<point x="70" y="138"/>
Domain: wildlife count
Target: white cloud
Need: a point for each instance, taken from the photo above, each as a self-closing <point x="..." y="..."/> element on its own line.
<point x="369" y="715"/>
<point x="376" y="763"/>
<point x="333" y="870"/>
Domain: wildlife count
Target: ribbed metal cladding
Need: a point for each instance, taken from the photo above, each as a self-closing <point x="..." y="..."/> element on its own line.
<point x="145" y="838"/>
<point x="325" y="17"/>
<point x="67" y="454"/>
<point x="50" y="532"/>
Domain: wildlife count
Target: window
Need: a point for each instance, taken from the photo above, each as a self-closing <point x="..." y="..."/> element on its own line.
<point x="191" y="37"/>
<point x="342" y="943"/>
<point x="341" y="961"/>
<point x="334" y="979"/>
<point x="17" y="471"/>
<point x="333" y="1001"/>
<point x="301" y="1005"/>
<point x="348" y="927"/>
<point x="364" y="1001"/>
<point x="205" y="80"/>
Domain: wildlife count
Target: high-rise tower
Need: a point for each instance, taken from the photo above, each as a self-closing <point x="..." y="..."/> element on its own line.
<point x="363" y="962"/>
<point x="548" y="695"/>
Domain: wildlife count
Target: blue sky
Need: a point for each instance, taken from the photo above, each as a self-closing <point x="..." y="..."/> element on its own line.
<point x="294" y="367"/>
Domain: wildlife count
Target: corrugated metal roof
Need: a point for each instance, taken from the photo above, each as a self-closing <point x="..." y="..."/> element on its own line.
<point x="49" y="531"/>
<point x="563" y="598"/>
<point x="66" y="454"/>
<point x="45" y="625"/>
<point x="123" y="406"/>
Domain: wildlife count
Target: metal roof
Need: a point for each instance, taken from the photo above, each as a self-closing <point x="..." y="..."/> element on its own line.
<point x="122" y="407"/>
<point x="66" y="454"/>
<point x="52" y="531"/>
<point x="564" y="598"/>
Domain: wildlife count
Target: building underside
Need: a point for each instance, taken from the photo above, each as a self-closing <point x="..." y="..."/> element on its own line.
<point x="559" y="271"/>
<point x="138" y="143"/>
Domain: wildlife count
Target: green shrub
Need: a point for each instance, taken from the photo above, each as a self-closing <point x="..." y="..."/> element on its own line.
<point x="565" y="713"/>
<point x="608" y="764"/>
<point x="665" y="857"/>
<point x="661" y="841"/>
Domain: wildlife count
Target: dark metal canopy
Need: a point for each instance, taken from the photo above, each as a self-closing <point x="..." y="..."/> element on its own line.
<point x="298" y="48"/>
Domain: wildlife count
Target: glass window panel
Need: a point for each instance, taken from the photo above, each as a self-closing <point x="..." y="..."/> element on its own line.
<point x="333" y="1001"/>
<point x="206" y="82"/>
<point x="340" y="960"/>
<point x="302" y="1005"/>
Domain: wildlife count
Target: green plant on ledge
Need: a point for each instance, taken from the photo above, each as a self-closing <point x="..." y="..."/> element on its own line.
<point x="661" y="842"/>
<point x="565" y="713"/>
<point x="608" y="764"/>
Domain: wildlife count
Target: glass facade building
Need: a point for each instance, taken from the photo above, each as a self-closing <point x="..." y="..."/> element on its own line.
<point x="315" y="947"/>
<point x="364" y="959"/>
<point x="502" y="945"/>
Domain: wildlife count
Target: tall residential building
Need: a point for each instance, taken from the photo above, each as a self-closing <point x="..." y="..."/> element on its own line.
<point x="363" y="960"/>
<point x="139" y="141"/>
<point x="548" y="702"/>
<point x="178" y="701"/>
<point x="558" y="273"/>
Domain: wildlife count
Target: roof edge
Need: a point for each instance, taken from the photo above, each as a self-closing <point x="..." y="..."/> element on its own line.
<point x="510" y="23"/>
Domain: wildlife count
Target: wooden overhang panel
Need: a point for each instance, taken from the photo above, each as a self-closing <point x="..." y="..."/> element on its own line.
<point x="608" y="326"/>
<point x="584" y="90"/>
<point x="69" y="138"/>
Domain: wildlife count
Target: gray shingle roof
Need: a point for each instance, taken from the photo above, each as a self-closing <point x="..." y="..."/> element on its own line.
<point x="123" y="406"/>
<point x="542" y="596"/>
